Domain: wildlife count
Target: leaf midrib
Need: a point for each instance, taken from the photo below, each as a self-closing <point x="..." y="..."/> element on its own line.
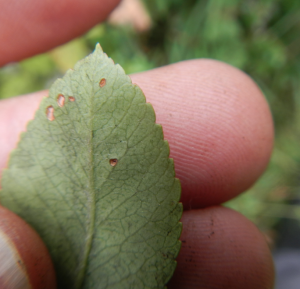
<point x="91" y="202"/>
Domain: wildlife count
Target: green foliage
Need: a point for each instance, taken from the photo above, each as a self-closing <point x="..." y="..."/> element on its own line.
<point x="92" y="175"/>
<point x="29" y="75"/>
<point x="259" y="37"/>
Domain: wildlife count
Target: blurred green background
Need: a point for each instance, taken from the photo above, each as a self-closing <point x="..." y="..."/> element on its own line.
<point x="261" y="38"/>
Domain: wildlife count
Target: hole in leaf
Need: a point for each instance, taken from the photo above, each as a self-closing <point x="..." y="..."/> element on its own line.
<point x="71" y="98"/>
<point x="113" y="162"/>
<point x="50" y="112"/>
<point x="60" y="100"/>
<point x="102" y="82"/>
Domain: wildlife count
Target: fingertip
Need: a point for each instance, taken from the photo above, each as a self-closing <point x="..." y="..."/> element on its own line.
<point x="222" y="249"/>
<point x="218" y="125"/>
<point x="31" y="27"/>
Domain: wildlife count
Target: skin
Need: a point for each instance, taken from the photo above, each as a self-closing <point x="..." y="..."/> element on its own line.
<point x="215" y="118"/>
<point x="27" y="263"/>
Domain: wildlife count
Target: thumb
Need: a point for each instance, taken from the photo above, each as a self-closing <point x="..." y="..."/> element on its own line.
<point x="25" y="261"/>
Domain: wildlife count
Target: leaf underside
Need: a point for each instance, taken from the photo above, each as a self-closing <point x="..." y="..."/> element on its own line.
<point x="92" y="175"/>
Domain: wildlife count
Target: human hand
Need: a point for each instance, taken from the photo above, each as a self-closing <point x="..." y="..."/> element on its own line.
<point x="220" y="132"/>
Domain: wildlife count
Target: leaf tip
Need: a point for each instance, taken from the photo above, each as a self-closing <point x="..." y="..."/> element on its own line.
<point x="98" y="48"/>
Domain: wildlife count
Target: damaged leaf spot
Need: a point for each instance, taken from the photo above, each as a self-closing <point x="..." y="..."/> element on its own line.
<point x="102" y="82"/>
<point x="71" y="98"/>
<point x="50" y="112"/>
<point x="60" y="100"/>
<point x="113" y="162"/>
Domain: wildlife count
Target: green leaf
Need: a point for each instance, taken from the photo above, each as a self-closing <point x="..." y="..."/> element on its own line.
<point x="92" y="175"/>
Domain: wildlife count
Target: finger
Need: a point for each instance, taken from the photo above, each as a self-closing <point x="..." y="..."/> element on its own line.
<point x="222" y="249"/>
<point x="14" y="115"/>
<point x="31" y="27"/>
<point x="25" y="261"/>
<point x="216" y="120"/>
<point x="218" y="125"/>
